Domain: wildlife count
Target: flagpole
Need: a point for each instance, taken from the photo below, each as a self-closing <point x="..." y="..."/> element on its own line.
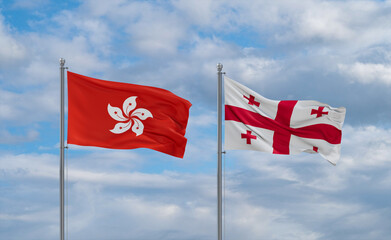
<point x="62" y="68"/>
<point x="219" y="151"/>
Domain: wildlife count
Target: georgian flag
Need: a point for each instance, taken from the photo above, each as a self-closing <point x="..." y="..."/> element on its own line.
<point x="253" y="122"/>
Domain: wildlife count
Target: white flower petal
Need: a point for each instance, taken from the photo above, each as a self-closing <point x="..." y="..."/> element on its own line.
<point x="121" y="127"/>
<point x="142" y="113"/>
<point x="138" y="127"/>
<point x="129" y="105"/>
<point x="116" y="113"/>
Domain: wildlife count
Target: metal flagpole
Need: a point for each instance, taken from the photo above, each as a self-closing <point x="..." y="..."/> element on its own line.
<point x="219" y="151"/>
<point x="62" y="68"/>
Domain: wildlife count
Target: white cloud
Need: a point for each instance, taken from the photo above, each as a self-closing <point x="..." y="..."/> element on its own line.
<point x="368" y="146"/>
<point x="203" y="14"/>
<point x="42" y="216"/>
<point x="11" y="49"/>
<point x="157" y="32"/>
<point x="46" y="218"/>
<point x="208" y="118"/>
<point x="76" y="51"/>
<point x="29" y="4"/>
<point x="156" y="38"/>
<point x="210" y="15"/>
<point x="251" y="69"/>
<point x="267" y="196"/>
<point x="96" y="31"/>
<point x="152" y="29"/>
<point x="252" y="221"/>
<point x="323" y="21"/>
<point x="136" y="179"/>
<point x="90" y="169"/>
<point x="30" y="166"/>
<point x="8" y="138"/>
<point x="144" y="217"/>
<point x="351" y="24"/>
<point x="21" y="108"/>
<point x="367" y="73"/>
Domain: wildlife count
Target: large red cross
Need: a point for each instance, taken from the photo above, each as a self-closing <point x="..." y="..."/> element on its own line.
<point x="248" y="136"/>
<point x="319" y="112"/>
<point x="281" y="126"/>
<point x="251" y="100"/>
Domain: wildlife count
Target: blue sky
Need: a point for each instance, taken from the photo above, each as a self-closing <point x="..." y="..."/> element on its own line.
<point x="337" y="52"/>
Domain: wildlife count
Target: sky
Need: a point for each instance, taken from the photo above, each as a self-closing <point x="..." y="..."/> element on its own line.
<point x="336" y="52"/>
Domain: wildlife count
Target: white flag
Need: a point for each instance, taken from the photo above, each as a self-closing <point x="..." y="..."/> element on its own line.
<point x="253" y="122"/>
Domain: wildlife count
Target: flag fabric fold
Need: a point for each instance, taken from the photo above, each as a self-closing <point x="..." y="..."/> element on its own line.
<point x="125" y="116"/>
<point x="253" y="122"/>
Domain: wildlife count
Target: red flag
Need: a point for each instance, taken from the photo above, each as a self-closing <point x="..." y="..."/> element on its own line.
<point x="125" y="116"/>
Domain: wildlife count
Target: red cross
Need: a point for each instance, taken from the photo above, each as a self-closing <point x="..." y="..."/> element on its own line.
<point x="248" y="136"/>
<point x="319" y="112"/>
<point x="281" y="126"/>
<point x="251" y="100"/>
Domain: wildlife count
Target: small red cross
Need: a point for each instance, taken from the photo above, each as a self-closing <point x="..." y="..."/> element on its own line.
<point x="251" y="100"/>
<point x="248" y="136"/>
<point x="319" y="112"/>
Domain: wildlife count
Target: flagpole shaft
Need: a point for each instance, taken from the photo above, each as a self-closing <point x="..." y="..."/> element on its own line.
<point x="219" y="151"/>
<point x="62" y="68"/>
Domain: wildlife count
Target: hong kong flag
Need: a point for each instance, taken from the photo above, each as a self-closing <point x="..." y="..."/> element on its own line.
<point x="253" y="122"/>
<point x="125" y="116"/>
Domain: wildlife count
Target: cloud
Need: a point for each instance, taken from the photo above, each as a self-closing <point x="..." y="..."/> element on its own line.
<point x="206" y="118"/>
<point x="11" y="49"/>
<point x="49" y="49"/>
<point x="256" y="222"/>
<point x="151" y="29"/>
<point x="79" y="25"/>
<point x="90" y="169"/>
<point x="252" y="69"/>
<point x="14" y="107"/>
<point x="29" y="166"/>
<point x="8" y="138"/>
<point x="172" y="218"/>
<point x="26" y="4"/>
<point x="181" y="201"/>
<point x="368" y="73"/>
<point x="367" y="146"/>
<point x="267" y="196"/>
<point x="41" y="51"/>
<point x="156" y="33"/>
<point x="316" y="21"/>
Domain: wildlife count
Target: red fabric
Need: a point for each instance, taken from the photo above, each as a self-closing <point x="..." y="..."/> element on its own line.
<point x="281" y="139"/>
<point x="89" y="122"/>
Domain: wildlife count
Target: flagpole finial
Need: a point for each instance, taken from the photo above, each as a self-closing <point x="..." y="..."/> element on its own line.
<point x="219" y="67"/>
<point x="62" y="61"/>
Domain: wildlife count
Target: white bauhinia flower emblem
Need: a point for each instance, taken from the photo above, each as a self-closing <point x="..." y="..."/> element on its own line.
<point x="126" y="121"/>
